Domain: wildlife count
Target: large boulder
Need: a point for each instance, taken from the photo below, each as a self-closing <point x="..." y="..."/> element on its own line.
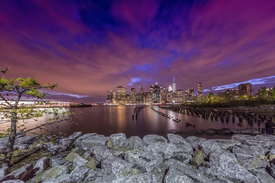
<point x="262" y="175"/>
<point x="41" y="165"/>
<point x="101" y="152"/>
<point x="241" y="138"/>
<point x="22" y="172"/>
<point x="135" y="143"/>
<point x="65" y="178"/>
<point x="79" y="174"/>
<point x="3" y="144"/>
<point x="195" y="141"/>
<point x="4" y="171"/>
<point x="75" y="135"/>
<point x="93" y="174"/>
<point x="182" y="157"/>
<point x="152" y="139"/>
<point x="78" y="141"/>
<point x="119" y="140"/>
<point x="248" y="151"/>
<point x="25" y="140"/>
<point x="54" y="172"/>
<point x="56" y="148"/>
<point x="225" y="164"/>
<point x="209" y="146"/>
<point x="149" y="162"/>
<point x="180" y="142"/>
<point x="112" y="164"/>
<point x="79" y="161"/>
<point x="179" y="172"/>
<point x="226" y="143"/>
<point x="91" y="141"/>
<point x="140" y="178"/>
<point x="167" y="149"/>
<point x="132" y="156"/>
<point x="252" y="163"/>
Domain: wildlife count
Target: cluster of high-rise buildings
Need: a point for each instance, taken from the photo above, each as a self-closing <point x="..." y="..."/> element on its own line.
<point x="156" y="94"/>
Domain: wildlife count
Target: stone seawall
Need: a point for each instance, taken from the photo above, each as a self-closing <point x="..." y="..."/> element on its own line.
<point x="152" y="159"/>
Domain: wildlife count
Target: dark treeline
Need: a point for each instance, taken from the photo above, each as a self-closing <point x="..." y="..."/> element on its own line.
<point x="231" y="98"/>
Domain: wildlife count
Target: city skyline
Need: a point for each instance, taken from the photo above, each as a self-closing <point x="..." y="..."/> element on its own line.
<point x="89" y="47"/>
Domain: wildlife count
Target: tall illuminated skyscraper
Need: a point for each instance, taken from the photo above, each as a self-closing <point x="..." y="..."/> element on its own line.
<point x="174" y="84"/>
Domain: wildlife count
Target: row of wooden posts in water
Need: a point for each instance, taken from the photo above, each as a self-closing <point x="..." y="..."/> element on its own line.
<point x="171" y="117"/>
<point x="224" y="115"/>
<point x="137" y="112"/>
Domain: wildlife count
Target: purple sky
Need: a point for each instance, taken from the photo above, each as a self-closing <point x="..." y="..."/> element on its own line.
<point x="89" y="47"/>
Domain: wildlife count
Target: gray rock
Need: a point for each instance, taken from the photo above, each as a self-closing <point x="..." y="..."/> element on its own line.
<point x="54" y="172"/>
<point x="195" y="141"/>
<point x="252" y="163"/>
<point x="21" y="146"/>
<point x="152" y="139"/>
<point x="241" y="138"/>
<point x="210" y="132"/>
<point x="3" y="144"/>
<point x="226" y="143"/>
<point x="71" y="156"/>
<point x="127" y="172"/>
<point x="79" y="161"/>
<point x="78" y="174"/>
<point x="116" y="152"/>
<point x="55" y="148"/>
<point x="91" y="141"/>
<point x="209" y="146"/>
<point x="176" y="176"/>
<point x="66" y="142"/>
<point x="180" y="142"/>
<point x="252" y="131"/>
<point x="41" y="165"/>
<point x="65" y="178"/>
<point x="181" y="172"/>
<point x="167" y="149"/>
<point x="91" y="164"/>
<point x="4" y="171"/>
<point x="149" y="162"/>
<point x="197" y="159"/>
<point x="248" y="150"/>
<point x="13" y="181"/>
<point x="265" y="137"/>
<point x="263" y="176"/>
<point x="112" y="164"/>
<point x="119" y="140"/>
<point x="75" y="135"/>
<point x="57" y="161"/>
<point x="141" y="178"/>
<point x="225" y="164"/>
<point x="25" y="140"/>
<point x="105" y="179"/>
<point x="183" y="157"/>
<point x="101" y="152"/>
<point x="87" y="155"/>
<point x="93" y="174"/>
<point x="135" y="143"/>
<point x="78" y="141"/>
<point x="132" y="156"/>
<point x="22" y="172"/>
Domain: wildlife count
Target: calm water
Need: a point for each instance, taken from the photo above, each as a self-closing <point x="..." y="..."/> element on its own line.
<point x="108" y="120"/>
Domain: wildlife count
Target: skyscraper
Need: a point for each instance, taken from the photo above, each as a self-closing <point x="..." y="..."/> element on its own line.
<point x="199" y="89"/>
<point x="174" y="84"/>
<point x="170" y="88"/>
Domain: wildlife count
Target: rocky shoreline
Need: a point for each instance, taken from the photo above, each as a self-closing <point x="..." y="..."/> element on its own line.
<point x="118" y="159"/>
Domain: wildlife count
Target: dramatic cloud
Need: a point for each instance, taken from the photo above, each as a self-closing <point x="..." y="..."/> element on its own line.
<point x="89" y="47"/>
